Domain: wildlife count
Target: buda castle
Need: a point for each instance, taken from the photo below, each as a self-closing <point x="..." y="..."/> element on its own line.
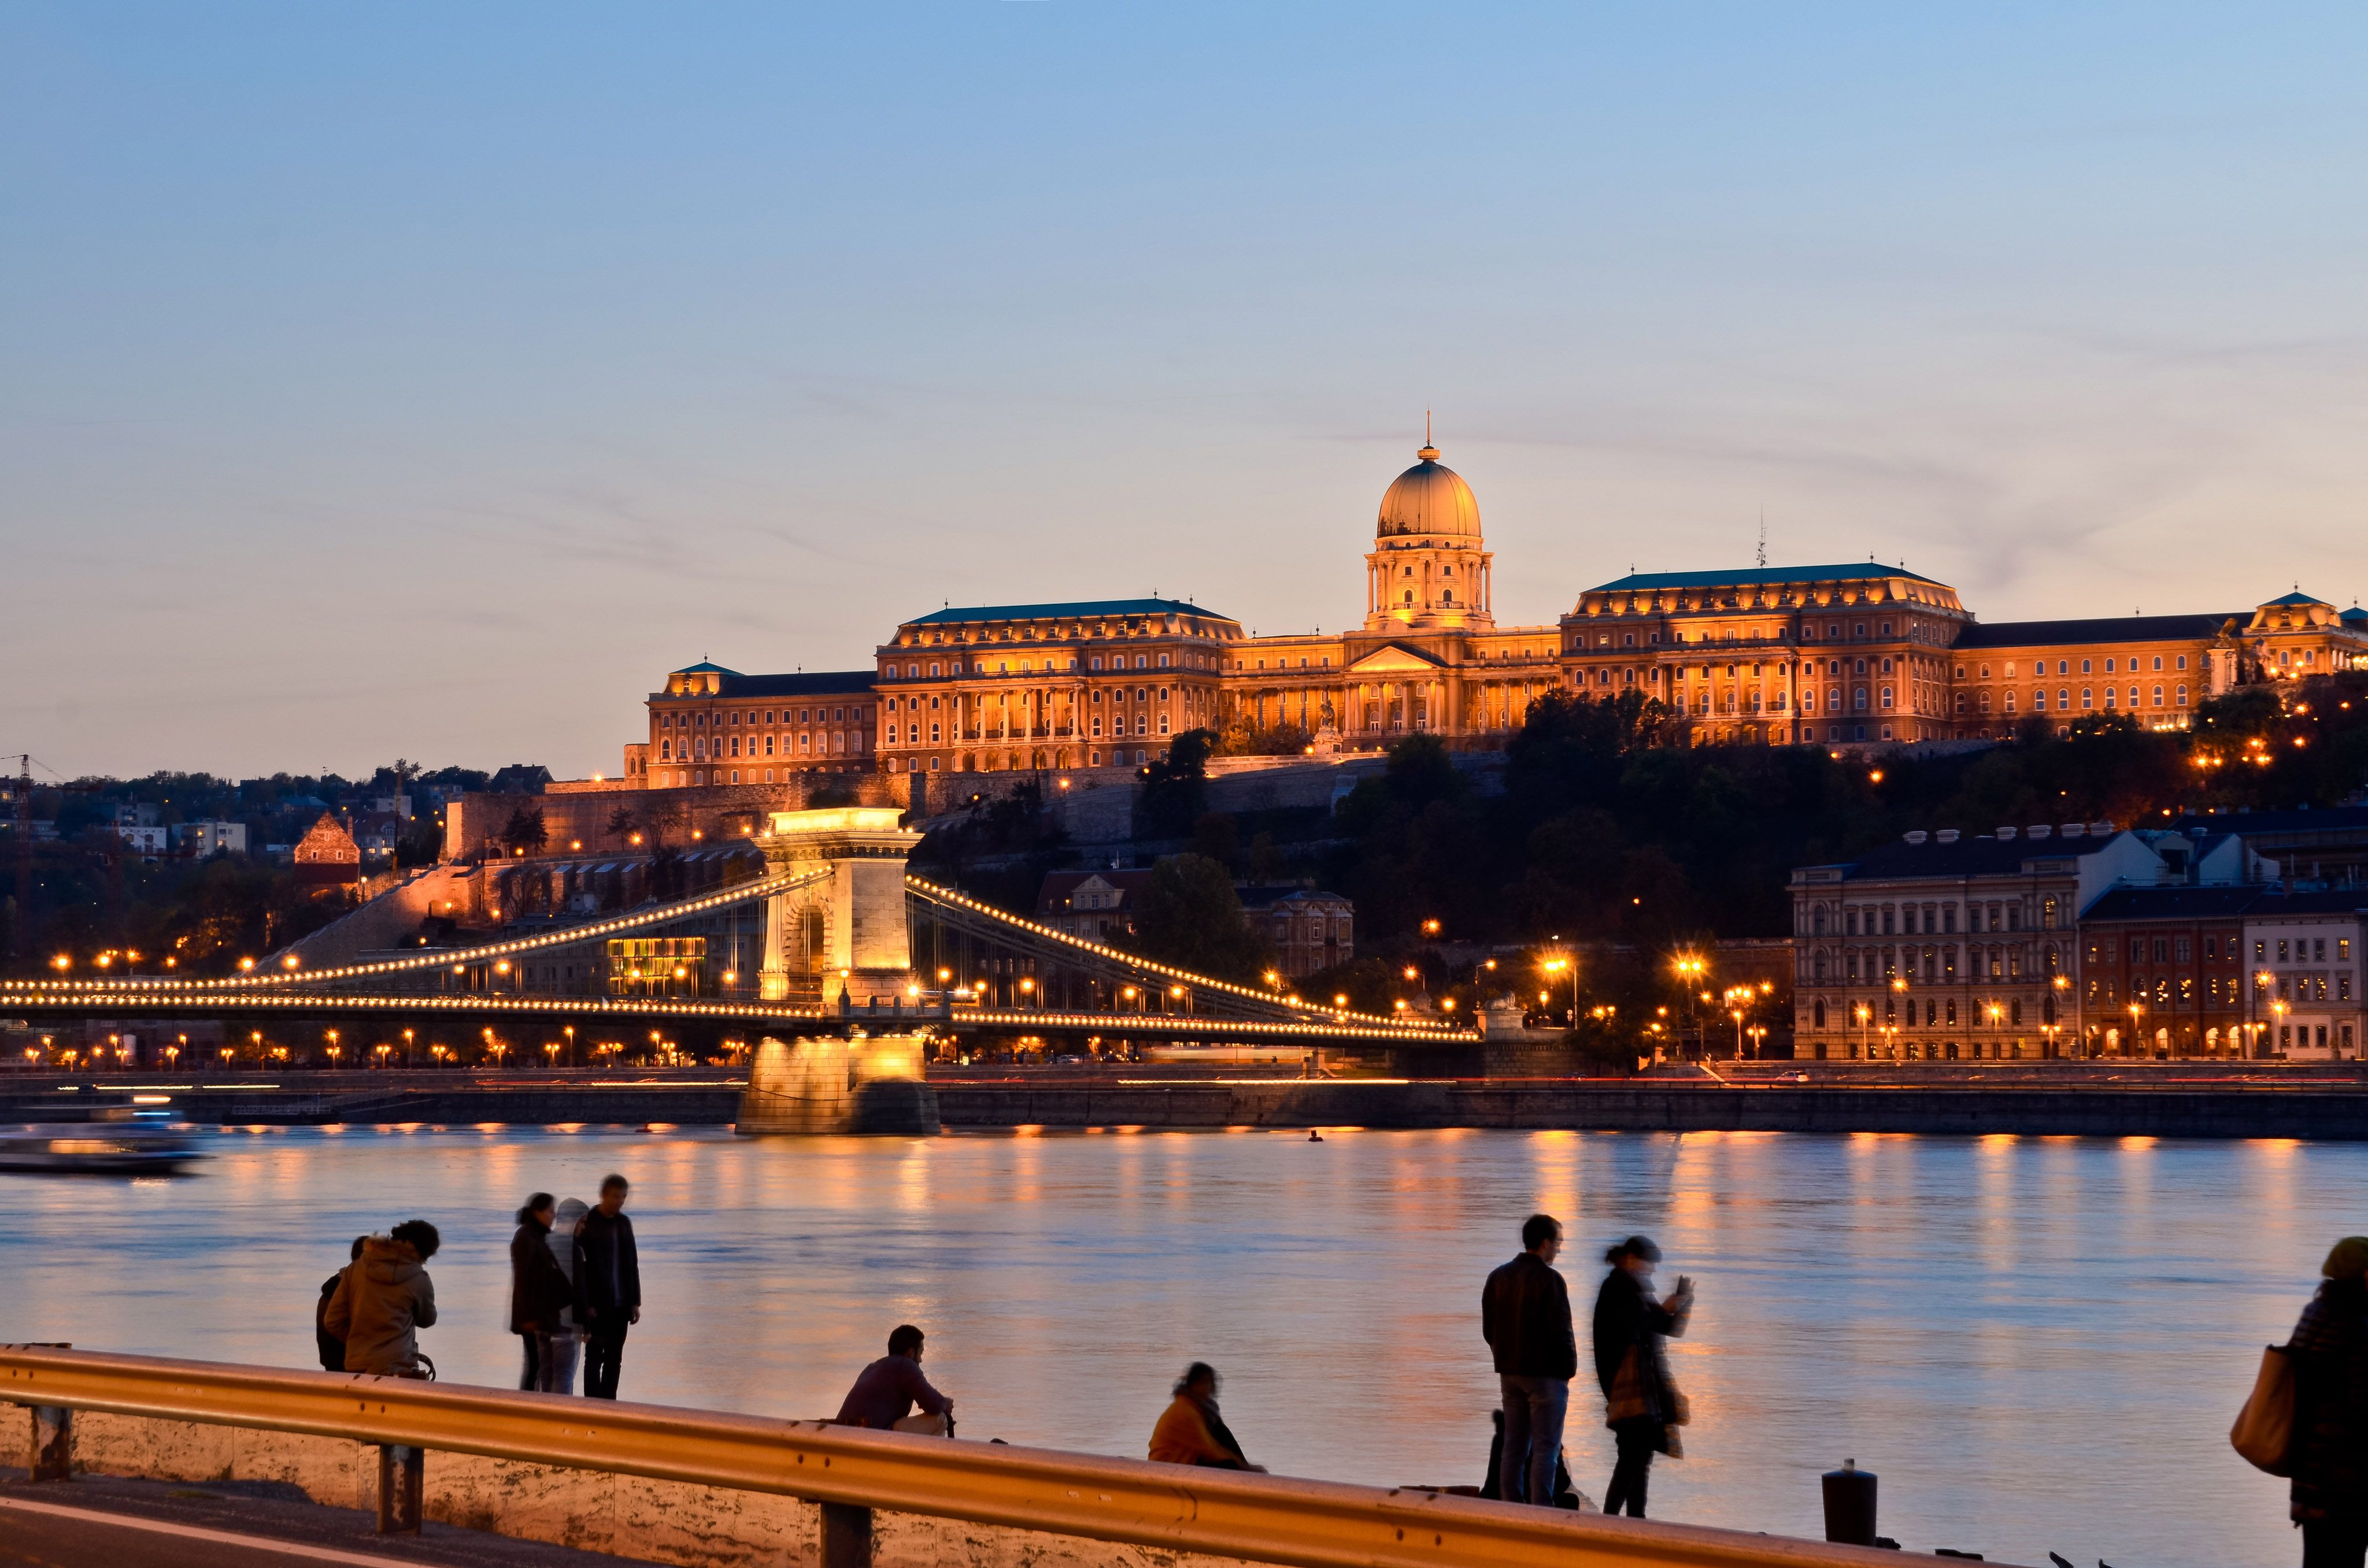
<point x="1851" y="654"/>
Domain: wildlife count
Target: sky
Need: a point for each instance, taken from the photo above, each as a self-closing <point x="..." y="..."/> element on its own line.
<point x="428" y="381"/>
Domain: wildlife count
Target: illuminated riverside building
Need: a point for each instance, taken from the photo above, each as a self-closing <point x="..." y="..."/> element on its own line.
<point x="1861" y="652"/>
<point x="1857" y="654"/>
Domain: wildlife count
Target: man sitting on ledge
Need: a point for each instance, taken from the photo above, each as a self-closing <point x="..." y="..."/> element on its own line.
<point x="885" y="1392"/>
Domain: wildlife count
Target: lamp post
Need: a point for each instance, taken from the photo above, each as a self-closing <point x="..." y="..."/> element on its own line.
<point x="2136" y="1011"/>
<point x="2279" y="1009"/>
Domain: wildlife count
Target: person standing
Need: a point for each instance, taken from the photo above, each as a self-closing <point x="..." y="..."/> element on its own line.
<point x="384" y="1299"/>
<point x="567" y="1340"/>
<point x="1644" y="1407"/>
<point x="332" y="1348"/>
<point x="539" y="1288"/>
<point x="1525" y="1318"/>
<point x="886" y="1391"/>
<point x="608" y="1286"/>
<point x="2328" y="1497"/>
<point x="1191" y="1431"/>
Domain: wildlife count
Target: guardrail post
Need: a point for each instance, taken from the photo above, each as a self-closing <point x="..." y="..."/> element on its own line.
<point x="846" y="1536"/>
<point x="53" y="1444"/>
<point x="402" y="1472"/>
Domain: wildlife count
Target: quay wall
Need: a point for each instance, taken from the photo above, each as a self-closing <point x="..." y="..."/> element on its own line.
<point x="2316" y="1110"/>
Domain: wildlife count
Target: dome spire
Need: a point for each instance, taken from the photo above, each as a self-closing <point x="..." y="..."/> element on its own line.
<point x="1429" y="453"/>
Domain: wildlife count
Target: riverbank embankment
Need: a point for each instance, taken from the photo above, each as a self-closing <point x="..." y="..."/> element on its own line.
<point x="2248" y="1100"/>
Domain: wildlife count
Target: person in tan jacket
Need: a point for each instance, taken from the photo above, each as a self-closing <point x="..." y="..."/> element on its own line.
<point x="1191" y="1432"/>
<point x="383" y="1301"/>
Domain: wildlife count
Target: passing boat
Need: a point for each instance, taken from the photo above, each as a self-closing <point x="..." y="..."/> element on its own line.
<point x="103" y="1146"/>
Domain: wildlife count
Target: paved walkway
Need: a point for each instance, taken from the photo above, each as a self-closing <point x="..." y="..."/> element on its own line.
<point x="102" y="1522"/>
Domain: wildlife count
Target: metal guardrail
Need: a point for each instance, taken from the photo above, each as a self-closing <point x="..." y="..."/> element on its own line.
<point x="1308" y="1524"/>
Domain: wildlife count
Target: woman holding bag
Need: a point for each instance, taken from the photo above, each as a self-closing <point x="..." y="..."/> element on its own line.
<point x="2329" y="1460"/>
<point x="1644" y="1408"/>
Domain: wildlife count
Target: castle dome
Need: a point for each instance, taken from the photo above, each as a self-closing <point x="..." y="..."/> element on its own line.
<point x="1429" y="499"/>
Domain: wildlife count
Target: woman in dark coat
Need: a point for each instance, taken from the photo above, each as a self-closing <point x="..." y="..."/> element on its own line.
<point x="539" y="1289"/>
<point x="2330" y="1457"/>
<point x="1644" y="1407"/>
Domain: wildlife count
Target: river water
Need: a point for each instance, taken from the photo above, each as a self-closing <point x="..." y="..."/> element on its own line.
<point x="2038" y="1344"/>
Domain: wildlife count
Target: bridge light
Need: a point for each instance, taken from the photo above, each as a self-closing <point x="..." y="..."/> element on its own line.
<point x="246" y="963"/>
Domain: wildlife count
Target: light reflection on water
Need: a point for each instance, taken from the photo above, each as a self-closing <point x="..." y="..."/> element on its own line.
<point x="2037" y="1343"/>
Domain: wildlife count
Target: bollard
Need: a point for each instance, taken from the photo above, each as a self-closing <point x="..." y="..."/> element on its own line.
<point x="401" y="1471"/>
<point x="846" y="1536"/>
<point x="1850" y="1504"/>
<point x="52" y="1456"/>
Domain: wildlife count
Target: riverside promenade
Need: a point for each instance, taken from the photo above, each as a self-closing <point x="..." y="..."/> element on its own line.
<point x="2194" y="1099"/>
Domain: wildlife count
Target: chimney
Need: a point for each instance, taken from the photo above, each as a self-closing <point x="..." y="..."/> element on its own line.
<point x="2037" y="830"/>
<point x="2005" y="833"/>
<point x="2074" y="830"/>
<point x="1916" y="835"/>
<point x="1947" y="836"/>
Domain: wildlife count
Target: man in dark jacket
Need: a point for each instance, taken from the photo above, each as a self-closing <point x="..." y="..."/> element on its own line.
<point x="886" y="1391"/>
<point x="1525" y="1317"/>
<point x="608" y="1286"/>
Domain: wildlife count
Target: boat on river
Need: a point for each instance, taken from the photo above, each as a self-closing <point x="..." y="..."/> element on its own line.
<point x="97" y="1148"/>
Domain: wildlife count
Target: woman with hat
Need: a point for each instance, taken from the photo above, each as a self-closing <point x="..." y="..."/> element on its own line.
<point x="1645" y="1408"/>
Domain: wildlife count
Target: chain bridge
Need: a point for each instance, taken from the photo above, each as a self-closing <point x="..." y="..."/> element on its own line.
<point x="835" y="937"/>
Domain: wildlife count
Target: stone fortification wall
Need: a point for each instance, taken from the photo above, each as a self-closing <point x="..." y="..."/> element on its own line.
<point x="473" y="821"/>
<point x="649" y="1521"/>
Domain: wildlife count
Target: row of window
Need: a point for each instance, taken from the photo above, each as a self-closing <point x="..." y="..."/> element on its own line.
<point x="1938" y="1013"/>
<point x="1028" y="666"/>
<point x="2088" y="700"/>
<point x="2296" y="950"/>
<point x="699" y="749"/>
<point x="1863" y="919"/>
<point x="668" y="719"/>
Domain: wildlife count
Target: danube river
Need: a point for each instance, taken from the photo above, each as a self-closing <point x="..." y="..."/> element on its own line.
<point x="2038" y="1344"/>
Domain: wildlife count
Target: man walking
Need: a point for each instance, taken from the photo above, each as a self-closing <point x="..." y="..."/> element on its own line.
<point x="608" y="1286"/>
<point x="1525" y="1317"/>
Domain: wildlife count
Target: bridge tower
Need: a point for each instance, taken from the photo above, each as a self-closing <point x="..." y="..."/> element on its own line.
<point x="854" y="923"/>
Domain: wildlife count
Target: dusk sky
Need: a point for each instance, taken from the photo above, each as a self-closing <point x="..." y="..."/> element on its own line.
<point x="428" y="381"/>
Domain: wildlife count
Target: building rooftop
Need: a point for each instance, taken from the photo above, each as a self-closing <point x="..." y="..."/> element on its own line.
<point x="1066" y="610"/>
<point x="2172" y="904"/>
<point x="822" y="683"/>
<point x="1755" y="576"/>
<point x="2350" y="821"/>
<point x="2110" y="629"/>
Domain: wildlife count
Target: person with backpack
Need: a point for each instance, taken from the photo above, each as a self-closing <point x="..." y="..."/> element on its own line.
<point x="383" y="1300"/>
<point x="332" y="1349"/>
<point x="1525" y="1318"/>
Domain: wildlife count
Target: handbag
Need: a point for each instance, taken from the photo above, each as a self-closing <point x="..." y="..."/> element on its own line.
<point x="2263" y="1433"/>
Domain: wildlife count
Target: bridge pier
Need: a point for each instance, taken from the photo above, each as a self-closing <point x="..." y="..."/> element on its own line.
<point x="857" y="1084"/>
<point x="850" y="933"/>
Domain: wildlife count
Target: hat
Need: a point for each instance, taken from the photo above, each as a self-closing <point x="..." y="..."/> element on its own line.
<point x="2348" y="1260"/>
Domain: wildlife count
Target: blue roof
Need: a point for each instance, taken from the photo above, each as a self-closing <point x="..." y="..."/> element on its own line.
<point x="1849" y="572"/>
<point x="2105" y="628"/>
<point x="1067" y="610"/>
<point x="704" y="669"/>
<point x="2297" y="598"/>
<point x="2353" y="616"/>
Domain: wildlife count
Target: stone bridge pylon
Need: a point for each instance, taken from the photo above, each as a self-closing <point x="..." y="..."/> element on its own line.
<point x="848" y="932"/>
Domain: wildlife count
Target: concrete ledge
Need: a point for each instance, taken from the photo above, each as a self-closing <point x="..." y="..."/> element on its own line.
<point x="658" y="1521"/>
